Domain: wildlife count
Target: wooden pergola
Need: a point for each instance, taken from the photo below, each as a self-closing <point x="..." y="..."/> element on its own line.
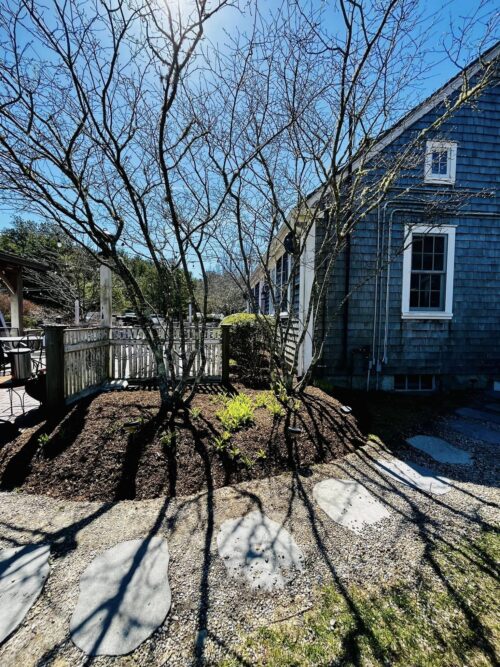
<point x="11" y="273"/>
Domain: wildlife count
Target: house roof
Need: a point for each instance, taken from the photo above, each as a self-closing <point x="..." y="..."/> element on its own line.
<point x="392" y="133"/>
<point x="441" y="94"/>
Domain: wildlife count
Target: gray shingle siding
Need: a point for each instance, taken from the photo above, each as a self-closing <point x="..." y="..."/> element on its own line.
<point x="459" y="349"/>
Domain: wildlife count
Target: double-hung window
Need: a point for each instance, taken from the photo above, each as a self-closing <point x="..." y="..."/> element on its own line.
<point x="440" y="162"/>
<point x="282" y="283"/>
<point x="428" y="272"/>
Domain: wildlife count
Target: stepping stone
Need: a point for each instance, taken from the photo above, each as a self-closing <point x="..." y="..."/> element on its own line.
<point x="414" y="476"/>
<point x="23" y="572"/>
<point x="258" y="550"/>
<point x="475" y="431"/>
<point x="124" y="597"/>
<point x="349" y="503"/>
<point x="440" y="450"/>
<point x="472" y="413"/>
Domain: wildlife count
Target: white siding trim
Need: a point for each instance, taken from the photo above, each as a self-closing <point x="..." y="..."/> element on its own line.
<point x="447" y="313"/>
<point x="307" y="269"/>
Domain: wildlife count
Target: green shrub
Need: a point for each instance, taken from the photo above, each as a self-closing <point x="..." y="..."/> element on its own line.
<point x="249" y="347"/>
<point x="268" y="400"/>
<point x="236" y="413"/>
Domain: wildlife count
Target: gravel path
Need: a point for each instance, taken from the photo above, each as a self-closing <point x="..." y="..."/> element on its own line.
<point x="210" y="612"/>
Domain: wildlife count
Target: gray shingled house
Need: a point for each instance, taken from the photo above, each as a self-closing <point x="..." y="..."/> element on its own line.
<point x="430" y="318"/>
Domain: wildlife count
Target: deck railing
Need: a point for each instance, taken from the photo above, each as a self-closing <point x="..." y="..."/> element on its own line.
<point x="81" y="360"/>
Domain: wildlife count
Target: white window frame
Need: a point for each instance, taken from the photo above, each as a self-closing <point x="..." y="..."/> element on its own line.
<point x="447" y="313"/>
<point x="438" y="179"/>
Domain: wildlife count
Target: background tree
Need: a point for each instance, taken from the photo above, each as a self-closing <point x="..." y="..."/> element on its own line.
<point x="225" y="295"/>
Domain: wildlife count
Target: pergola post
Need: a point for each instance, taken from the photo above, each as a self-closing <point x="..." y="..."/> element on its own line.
<point x="16" y="300"/>
<point x="54" y="351"/>
<point x="11" y="273"/>
<point x="106" y="296"/>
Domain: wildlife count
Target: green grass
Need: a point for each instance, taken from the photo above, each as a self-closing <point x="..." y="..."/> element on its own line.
<point x="447" y="617"/>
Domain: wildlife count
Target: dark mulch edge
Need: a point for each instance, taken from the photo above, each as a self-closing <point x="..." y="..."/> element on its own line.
<point x="88" y="454"/>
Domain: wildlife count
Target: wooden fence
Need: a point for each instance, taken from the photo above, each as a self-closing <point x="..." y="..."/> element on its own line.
<point x="86" y="360"/>
<point x="132" y="358"/>
<point x="80" y="361"/>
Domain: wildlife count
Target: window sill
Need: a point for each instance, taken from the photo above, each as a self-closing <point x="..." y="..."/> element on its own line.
<point x="439" y="181"/>
<point x="426" y="315"/>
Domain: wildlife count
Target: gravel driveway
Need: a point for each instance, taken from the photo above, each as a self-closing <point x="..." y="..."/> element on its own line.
<point x="209" y="612"/>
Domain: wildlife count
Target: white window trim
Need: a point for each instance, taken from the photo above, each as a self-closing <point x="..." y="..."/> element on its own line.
<point x="438" y="179"/>
<point x="447" y="313"/>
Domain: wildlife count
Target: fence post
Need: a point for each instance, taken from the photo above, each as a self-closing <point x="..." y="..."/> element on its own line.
<point x="54" y="352"/>
<point x="225" y="333"/>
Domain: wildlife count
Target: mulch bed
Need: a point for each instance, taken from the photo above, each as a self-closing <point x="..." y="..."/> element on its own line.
<point x="89" y="454"/>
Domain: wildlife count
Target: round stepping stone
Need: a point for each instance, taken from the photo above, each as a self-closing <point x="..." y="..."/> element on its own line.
<point x="23" y="572"/>
<point x="475" y="431"/>
<point x="440" y="450"/>
<point x="480" y="415"/>
<point x="258" y="550"/>
<point x="414" y="476"/>
<point x="349" y="503"/>
<point x="124" y="597"/>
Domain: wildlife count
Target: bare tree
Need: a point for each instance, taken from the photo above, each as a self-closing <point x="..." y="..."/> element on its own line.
<point x="98" y="134"/>
<point x="327" y="83"/>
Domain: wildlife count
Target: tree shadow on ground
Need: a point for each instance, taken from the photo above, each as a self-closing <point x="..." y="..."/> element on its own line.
<point x="19" y="464"/>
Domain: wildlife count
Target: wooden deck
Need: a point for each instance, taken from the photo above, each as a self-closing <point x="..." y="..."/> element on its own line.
<point x="17" y="398"/>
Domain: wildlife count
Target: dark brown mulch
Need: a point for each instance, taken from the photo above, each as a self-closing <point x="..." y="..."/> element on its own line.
<point x="89" y="455"/>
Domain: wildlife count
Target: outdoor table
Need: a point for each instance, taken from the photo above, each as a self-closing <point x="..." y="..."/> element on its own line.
<point x="18" y="339"/>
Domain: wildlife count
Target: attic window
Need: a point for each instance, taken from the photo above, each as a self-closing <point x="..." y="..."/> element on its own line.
<point x="440" y="162"/>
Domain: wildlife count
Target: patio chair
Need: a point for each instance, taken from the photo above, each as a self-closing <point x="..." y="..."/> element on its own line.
<point x="4" y="361"/>
<point x="34" y="342"/>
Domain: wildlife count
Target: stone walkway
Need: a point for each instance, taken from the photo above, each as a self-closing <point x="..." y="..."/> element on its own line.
<point x="366" y="518"/>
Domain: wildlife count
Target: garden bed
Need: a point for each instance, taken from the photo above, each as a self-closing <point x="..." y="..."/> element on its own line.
<point x="112" y="447"/>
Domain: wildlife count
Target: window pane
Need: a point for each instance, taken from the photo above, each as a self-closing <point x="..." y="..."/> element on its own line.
<point x="429" y="244"/>
<point x="439" y="244"/>
<point x="427" y="261"/>
<point x="414" y="294"/>
<point x="400" y="382"/>
<point x="417" y="243"/>
<point x="439" y="164"/>
<point x="438" y="262"/>
<point x="435" y="299"/>
<point x="412" y="382"/>
<point x="426" y="382"/>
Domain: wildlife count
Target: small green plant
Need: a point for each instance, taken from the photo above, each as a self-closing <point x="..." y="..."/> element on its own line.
<point x="246" y="461"/>
<point x="195" y="413"/>
<point x="43" y="441"/>
<point x="221" y="441"/>
<point x="234" y="452"/>
<point x="281" y="393"/>
<point x="168" y="438"/>
<point x="238" y="411"/>
<point x="261" y="455"/>
<point x="268" y="400"/>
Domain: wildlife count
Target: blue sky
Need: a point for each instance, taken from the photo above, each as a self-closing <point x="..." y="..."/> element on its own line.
<point x="440" y="17"/>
